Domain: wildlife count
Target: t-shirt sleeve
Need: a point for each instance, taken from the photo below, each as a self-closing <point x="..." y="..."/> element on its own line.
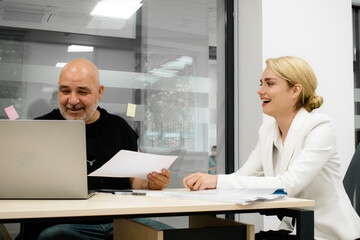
<point x="126" y="135"/>
<point x="132" y="136"/>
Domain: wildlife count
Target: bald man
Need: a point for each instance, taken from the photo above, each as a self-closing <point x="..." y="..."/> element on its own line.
<point x="106" y="134"/>
<point x="80" y="91"/>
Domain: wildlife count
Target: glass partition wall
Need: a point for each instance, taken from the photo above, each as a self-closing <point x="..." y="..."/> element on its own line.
<point x="165" y="66"/>
<point x="356" y="65"/>
<point x="159" y="66"/>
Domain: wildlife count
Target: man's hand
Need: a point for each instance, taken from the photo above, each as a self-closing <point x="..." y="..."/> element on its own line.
<point x="200" y="181"/>
<point x="158" y="181"/>
<point x="155" y="180"/>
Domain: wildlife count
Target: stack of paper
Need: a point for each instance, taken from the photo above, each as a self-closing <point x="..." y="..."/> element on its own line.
<point x="240" y="196"/>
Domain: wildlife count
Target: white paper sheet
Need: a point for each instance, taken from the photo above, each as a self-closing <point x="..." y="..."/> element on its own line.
<point x="133" y="164"/>
<point x="239" y="196"/>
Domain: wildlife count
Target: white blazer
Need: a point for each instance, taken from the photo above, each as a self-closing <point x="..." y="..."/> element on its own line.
<point x="309" y="169"/>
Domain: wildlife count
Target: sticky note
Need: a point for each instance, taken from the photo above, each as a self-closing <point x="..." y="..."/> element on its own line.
<point x="131" y="108"/>
<point x="11" y="113"/>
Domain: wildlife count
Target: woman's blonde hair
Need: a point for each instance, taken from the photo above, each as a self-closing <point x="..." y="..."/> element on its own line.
<point x="295" y="70"/>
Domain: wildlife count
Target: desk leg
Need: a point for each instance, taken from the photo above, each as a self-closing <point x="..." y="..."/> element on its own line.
<point x="304" y="221"/>
<point x="305" y="225"/>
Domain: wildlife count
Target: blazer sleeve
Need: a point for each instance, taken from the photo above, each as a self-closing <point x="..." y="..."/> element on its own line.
<point x="317" y="145"/>
<point x="252" y="167"/>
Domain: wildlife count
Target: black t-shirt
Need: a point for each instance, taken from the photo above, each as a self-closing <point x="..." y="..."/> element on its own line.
<point x="104" y="138"/>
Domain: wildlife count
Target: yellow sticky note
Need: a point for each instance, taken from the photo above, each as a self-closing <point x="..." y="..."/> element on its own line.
<point x="131" y="108"/>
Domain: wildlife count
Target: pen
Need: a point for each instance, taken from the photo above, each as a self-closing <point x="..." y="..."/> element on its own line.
<point x="131" y="193"/>
<point x="138" y="193"/>
<point x="113" y="191"/>
<point x="121" y="192"/>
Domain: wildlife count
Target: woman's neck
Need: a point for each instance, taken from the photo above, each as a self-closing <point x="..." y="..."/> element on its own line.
<point x="284" y="123"/>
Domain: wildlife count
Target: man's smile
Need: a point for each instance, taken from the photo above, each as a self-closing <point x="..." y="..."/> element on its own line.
<point x="75" y="110"/>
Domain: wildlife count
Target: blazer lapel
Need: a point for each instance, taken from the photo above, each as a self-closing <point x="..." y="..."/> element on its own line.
<point x="267" y="150"/>
<point x="291" y="140"/>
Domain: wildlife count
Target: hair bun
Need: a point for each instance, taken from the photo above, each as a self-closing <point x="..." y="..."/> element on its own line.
<point x="314" y="102"/>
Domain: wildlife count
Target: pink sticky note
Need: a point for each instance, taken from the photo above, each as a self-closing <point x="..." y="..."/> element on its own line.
<point x="11" y="112"/>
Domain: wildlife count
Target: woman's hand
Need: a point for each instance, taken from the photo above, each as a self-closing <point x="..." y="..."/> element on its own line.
<point x="200" y="181"/>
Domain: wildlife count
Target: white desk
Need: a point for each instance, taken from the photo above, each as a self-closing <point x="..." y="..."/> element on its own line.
<point x="126" y="206"/>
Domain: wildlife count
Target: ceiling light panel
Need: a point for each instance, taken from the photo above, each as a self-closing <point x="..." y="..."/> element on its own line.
<point x="122" y="9"/>
<point x="80" y="48"/>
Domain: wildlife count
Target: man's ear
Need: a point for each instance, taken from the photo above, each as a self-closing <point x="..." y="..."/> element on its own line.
<point x="101" y="91"/>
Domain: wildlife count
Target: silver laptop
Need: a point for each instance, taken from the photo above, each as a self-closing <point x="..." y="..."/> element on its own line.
<point x="43" y="159"/>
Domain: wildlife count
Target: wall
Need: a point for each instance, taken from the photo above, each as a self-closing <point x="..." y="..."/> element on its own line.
<point x="320" y="32"/>
<point x="248" y="70"/>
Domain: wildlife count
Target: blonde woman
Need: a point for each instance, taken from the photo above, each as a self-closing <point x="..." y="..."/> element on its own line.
<point x="296" y="151"/>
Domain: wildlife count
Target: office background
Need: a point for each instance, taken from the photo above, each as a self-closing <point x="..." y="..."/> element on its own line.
<point x="174" y="67"/>
<point x="162" y="59"/>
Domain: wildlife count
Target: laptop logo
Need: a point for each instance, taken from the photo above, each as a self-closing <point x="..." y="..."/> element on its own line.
<point x="25" y="159"/>
<point x="91" y="162"/>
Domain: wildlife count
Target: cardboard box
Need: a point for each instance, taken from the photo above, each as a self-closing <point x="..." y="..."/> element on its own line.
<point x="200" y="227"/>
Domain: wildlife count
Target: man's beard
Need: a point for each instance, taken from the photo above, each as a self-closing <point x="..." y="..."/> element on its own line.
<point x="88" y="112"/>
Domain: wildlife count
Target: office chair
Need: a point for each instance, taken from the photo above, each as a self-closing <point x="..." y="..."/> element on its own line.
<point x="352" y="180"/>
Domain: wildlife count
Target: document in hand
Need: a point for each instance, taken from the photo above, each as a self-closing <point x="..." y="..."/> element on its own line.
<point x="240" y="196"/>
<point x="133" y="164"/>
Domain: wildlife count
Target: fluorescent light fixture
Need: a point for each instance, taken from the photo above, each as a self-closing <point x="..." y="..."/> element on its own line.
<point x="123" y="9"/>
<point x="163" y="72"/>
<point x="173" y="65"/>
<point x="186" y="60"/>
<point x="179" y="63"/>
<point x="60" y="64"/>
<point x="80" y="48"/>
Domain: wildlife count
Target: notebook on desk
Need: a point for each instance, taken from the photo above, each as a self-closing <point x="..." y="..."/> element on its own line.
<point x="43" y="159"/>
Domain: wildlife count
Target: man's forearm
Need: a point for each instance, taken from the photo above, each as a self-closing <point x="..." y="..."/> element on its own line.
<point x="138" y="183"/>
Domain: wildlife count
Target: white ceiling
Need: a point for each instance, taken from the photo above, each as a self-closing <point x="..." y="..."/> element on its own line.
<point x="184" y="16"/>
<point x="64" y="16"/>
<point x="356" y="2"/>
